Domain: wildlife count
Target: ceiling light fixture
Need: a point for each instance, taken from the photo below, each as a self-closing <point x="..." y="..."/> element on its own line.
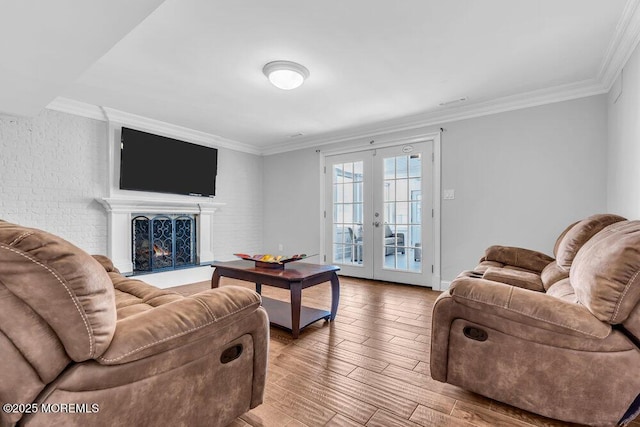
<point x="285" y="75"/>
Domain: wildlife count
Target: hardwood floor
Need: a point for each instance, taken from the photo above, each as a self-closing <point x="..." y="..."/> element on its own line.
<point x="370" y="367"/>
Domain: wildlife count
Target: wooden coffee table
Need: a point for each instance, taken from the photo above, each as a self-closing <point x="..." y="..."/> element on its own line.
<point x="296" y="276"/>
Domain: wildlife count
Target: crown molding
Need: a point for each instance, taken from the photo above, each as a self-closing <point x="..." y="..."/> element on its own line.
<point x="499" y="105"/>
<point x="622" y="44"/>
<point x="176" y="131"/>
<point x="112" y="115"/>
<point x="77" y="108"/>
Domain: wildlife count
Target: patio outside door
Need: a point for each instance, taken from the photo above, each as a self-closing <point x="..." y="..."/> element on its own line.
<point x="378" y="221"/>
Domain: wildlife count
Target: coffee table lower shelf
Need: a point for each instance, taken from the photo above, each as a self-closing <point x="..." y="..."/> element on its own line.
<point x="280" y="314"/>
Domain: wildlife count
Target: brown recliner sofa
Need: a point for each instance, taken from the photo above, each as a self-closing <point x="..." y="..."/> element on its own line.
<point x="535" y="270"/>
<point x="570" y="353"/>
<point x="82" y="345"/>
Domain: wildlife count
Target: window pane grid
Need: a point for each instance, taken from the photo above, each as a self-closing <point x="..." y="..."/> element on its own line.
<point x="348" y="212"/>
<point x="402" y="213"/>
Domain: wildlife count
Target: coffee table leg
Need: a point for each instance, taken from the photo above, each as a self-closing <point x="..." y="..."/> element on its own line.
<point x="259" y="288"/>
<point x="296" y="302"/>
<point x="215" y="278"/>
<point x="335" y="295"/>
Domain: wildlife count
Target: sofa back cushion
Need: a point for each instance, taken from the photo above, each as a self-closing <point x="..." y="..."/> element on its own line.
<point x="64" y="286"/>
<point x="606" y="272"/>
<point x="579" y="234"/>
<point x="560" y="237"/>
<point x="552" y="274"/>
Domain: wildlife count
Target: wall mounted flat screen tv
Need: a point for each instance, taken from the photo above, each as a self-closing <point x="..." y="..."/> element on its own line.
<point x="165" y="165"/>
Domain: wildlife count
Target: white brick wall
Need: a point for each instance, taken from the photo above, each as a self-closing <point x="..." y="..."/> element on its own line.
<point x="238" y="225"/>
<point x="54" y="166"/>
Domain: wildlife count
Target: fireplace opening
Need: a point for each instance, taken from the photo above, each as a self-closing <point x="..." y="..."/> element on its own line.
<point x="163" y="242"/>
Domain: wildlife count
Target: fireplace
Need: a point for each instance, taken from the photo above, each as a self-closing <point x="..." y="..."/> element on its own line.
<point x="163" y="242"/>
<point x="122" y="211"/>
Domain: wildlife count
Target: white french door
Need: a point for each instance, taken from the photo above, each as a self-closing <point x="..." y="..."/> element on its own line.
<point x="378" y="216"/>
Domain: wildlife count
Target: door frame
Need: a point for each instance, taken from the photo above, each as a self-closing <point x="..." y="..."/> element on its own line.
<point x="434" y="138"/>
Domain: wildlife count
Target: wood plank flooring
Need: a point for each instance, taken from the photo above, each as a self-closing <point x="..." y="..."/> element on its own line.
<point x="370" y="367"/>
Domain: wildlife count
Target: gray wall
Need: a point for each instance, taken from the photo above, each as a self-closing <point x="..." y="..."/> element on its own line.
<point x="623" y="189"/>
<point x="519" y="177"/>
<point x="291" y="214"/>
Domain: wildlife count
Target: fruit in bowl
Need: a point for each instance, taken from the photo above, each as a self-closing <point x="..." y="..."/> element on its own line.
<point x="269" y="258"/>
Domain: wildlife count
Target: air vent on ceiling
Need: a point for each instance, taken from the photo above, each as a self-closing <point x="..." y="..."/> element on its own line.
<point x="455" y="101"/>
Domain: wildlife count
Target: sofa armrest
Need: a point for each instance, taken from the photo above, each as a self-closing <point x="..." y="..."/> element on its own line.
<point x="520" y="279"/>
<point x="528" y="307"/>
<point x="106" y="263"/>
<point x="178" y="322"/>
<point x="517" y="257"/>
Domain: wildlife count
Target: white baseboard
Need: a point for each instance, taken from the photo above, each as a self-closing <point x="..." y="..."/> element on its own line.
<point x="444" y="285"/>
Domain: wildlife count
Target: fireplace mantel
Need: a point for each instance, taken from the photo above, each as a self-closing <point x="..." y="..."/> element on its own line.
<point x="127" y="204"/>
<point x="121" y="209"/>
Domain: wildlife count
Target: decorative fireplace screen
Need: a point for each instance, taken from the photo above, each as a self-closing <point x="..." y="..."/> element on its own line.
<point x="163" y="242"/>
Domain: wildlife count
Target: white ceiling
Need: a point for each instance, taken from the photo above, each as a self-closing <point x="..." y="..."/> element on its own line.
<point x="46" y="45"/>
<point x="198" y="63"/>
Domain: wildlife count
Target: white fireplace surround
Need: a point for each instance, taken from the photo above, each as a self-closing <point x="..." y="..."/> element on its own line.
<point x="123" y="205"/>
<point x="121" y="211"/>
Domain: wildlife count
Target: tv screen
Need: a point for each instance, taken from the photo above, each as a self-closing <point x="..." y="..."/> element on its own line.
<point x="165" y="165"/>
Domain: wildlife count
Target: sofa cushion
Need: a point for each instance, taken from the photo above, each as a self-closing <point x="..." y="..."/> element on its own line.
<point x="579" y="234"/>
<point x="551" y="274"/>
<point x="563" y="290"/>
<point x="525" y="259"/>
<point x="52" y="276"/>
<point x="134" y="296"/>
<point x="521" y="279"/>
<point x="605" y="273"/>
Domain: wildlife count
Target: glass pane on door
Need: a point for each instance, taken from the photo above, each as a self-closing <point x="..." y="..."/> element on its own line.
<point x="402" y="217"/>
<point x="348" y="212"/>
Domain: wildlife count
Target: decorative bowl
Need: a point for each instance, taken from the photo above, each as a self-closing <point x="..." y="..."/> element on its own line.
<point x="272" y="261"/>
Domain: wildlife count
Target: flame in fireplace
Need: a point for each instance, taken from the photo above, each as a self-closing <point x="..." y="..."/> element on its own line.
<point x="158" y="251"/>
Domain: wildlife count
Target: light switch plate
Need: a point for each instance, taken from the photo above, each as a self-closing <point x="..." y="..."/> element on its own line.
<point x="449" y="194"/>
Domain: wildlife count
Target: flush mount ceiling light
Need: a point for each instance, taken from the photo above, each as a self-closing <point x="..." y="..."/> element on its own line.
<point x="285" y="75"/>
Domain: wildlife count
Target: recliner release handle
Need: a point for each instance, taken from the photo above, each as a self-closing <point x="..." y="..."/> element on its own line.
<point x="475" y="333"/>
<point x="231" y="354"/>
